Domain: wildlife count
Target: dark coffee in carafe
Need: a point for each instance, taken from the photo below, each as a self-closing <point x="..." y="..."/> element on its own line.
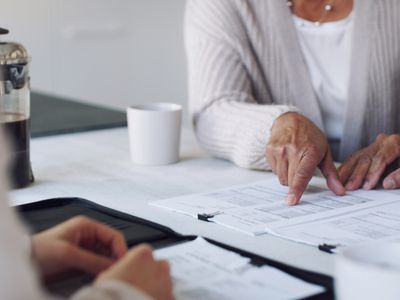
<point x="15" y="108"/>
<point x="16" y="127"/>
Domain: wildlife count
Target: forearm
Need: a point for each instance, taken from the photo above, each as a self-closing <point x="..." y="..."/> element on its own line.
<point x="238" y="131"/>
<point x="229" y="120"/>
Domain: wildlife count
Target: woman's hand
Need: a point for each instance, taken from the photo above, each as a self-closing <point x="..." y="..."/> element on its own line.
<point x="85" y="245"/>
<point x="138" y="268"/>
<point x="79" y="244"/>
<point x="295" y="150"/>
<point x="366" y="167"/>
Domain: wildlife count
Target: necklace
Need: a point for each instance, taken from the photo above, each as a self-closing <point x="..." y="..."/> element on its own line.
<point x="328" y="7"/>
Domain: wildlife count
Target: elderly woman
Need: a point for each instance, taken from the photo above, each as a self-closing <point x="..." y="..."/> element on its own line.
<point x="290" y="86"/>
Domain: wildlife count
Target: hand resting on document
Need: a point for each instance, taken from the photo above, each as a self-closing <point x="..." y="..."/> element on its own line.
<point x="365" y="168"/>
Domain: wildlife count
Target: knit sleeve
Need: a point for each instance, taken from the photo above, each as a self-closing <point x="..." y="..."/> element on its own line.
<point x="229" y="122"/>
<point x="110" y="290"/>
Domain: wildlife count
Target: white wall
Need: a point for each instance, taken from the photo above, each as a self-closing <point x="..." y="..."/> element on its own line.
<point x="113" y="53"/>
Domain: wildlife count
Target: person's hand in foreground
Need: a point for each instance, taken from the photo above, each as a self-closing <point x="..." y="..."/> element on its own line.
<point x="138" y="268"/>
<point x="78" y="244"/>
<point x="85" y="245"/>
<point x="295" y="150"/>
<point x="367" y="167"/>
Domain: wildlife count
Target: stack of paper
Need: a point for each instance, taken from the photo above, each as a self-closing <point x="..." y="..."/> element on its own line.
<point x="201" y="270"/>
<point x="321" y="217"/>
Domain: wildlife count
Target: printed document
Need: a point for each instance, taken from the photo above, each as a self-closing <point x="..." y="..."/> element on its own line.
<point x="201" y="270"/>
<point x="260" y="208"/>
<point x="380" y="223"/>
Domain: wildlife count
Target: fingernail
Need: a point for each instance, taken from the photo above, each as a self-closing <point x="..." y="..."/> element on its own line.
<point x="291" y="199"/>
<point x="367" y="185"/>
<point x="147" y="254"/>
<point x="339" y="186"/>
<point x="390" y="184"/>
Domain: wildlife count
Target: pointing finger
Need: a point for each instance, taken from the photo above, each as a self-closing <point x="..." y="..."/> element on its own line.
<point x="302" y="177"/>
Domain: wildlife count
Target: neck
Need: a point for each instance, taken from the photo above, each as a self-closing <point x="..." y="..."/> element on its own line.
<point x="312" y="10"/>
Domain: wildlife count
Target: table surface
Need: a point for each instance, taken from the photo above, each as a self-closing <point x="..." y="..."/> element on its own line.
<point x="96" y="166"/>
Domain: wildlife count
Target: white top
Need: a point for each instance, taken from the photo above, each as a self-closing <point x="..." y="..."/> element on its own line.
<point x="327" y="50"/>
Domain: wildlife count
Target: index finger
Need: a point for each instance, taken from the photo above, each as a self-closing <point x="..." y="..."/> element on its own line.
<point x="302" y="177"/>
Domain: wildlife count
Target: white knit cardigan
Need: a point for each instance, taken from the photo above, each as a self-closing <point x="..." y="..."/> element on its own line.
<point x="246" y="68"/>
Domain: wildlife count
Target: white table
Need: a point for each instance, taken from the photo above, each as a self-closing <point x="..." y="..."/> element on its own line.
<point x="96" y="166"/>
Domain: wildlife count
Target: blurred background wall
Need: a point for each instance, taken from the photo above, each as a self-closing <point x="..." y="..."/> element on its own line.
<point x="107" y="52"/>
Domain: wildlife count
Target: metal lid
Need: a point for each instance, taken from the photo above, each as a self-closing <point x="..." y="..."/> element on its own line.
<point x="12" y="53"/>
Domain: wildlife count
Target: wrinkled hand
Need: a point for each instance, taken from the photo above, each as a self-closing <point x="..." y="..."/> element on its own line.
<point x="78" y="244"/>
<point x="366" y="167"/>
<point x="138" y="268"/>
<point x="295" y="150"/>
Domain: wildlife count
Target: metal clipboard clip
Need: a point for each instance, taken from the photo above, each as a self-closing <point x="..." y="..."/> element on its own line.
<point x="328" y="248"/>
<point x="208" y="217"/>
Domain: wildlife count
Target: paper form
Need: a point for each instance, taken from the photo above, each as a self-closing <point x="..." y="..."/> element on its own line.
<point x="201" y="270"/>
<point x="377" y="223"/>
<point x="259" y="207"/>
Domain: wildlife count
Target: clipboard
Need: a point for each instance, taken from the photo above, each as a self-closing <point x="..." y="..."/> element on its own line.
<point x="42" y="215"/>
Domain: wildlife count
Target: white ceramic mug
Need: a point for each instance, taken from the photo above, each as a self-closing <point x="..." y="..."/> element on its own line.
<point x="154" y="133"/>
<point x="368" y="272"/>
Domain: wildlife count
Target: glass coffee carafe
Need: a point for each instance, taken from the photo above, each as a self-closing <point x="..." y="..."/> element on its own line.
<point x="15" y="108"/>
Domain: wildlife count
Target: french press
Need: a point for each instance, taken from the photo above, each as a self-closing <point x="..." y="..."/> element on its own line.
<point x="15" y="108"/>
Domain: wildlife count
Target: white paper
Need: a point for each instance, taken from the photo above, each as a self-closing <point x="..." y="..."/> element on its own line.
<point x="381" y="223"/>
<point x="260" y="208"/>
<point x="201" y="270"/>
<point x="254" y="207"/>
